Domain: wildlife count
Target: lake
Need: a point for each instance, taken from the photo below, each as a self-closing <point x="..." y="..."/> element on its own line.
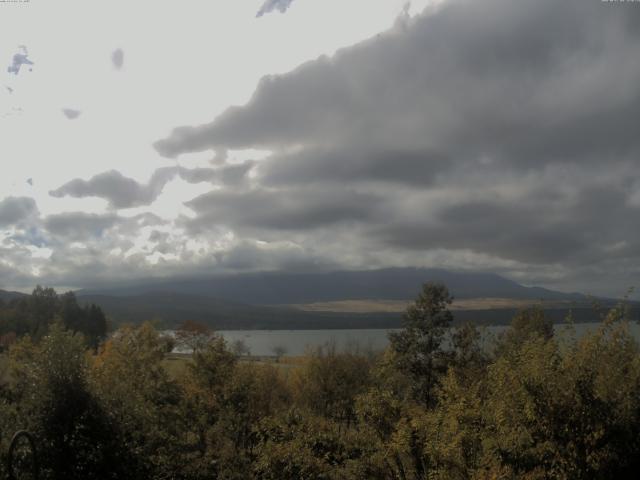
<point x="296" y="342"/>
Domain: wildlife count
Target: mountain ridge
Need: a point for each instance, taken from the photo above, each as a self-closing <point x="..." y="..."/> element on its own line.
<point x="277" y="288"/>
<point x="7" y="295"/>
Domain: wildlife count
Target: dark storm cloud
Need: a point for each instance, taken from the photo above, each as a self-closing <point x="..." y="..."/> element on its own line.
<point x="293" y="210"/>
<point x="14" y="210"/>
<point x="418" y="168"/>
<point x="507" y="129"/>
<point x="247" y="254"/>
<point x="124" y="192"/>
<point x="523" y="83"/>
<point x="505" y="231"/>
<point x="230" y="175"/>
<point x="541" y="227"/>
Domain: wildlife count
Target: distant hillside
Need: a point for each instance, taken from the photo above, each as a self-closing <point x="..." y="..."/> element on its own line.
<point x="6" y="296"/>
<point x="367" y="299"/>
<point x="170" y="309"/>
<point x="386" y="284"/>
<point x="324" y="300"/>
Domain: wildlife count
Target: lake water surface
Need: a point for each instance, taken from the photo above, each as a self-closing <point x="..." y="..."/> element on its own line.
<point x="296" y="342"/>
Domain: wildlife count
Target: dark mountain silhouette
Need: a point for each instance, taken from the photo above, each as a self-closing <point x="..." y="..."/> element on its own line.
<point x="265" y="300"/>
<point x="7" y="296"/>
<point x="294" y="288"/>
<point x="169" y="309"/>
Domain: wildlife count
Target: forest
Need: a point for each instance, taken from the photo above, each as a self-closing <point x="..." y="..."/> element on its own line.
<point x="436" y="404"/>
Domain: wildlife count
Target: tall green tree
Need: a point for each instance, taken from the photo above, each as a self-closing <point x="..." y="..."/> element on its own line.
<point x="329" y="381"/>
<point x="527" y="324"/>
<point x="75" y="436"/>
<point x="418" y="347"/>
<point x="135" y="387"/>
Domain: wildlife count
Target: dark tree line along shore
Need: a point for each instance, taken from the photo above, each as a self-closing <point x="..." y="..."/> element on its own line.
<point x="531" y="406"/>
<point x="33" y="314"/>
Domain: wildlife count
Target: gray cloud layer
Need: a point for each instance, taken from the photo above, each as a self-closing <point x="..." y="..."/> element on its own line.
<point x="123" y="192"/>
<point x="290" y="210"/>
<point x="516" y="83"/>
<point x="120" y="191"/>
<point x="505" y="129"/>
<point x="487" y="134"/>
<point x="79" y="226"/>
<point x="14" y="210"/>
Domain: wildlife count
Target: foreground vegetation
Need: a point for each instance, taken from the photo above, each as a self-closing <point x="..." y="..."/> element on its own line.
<point x="533" y="406"/>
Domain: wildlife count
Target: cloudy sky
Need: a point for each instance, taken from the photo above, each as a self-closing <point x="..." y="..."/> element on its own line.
<point x="177" y="138"/>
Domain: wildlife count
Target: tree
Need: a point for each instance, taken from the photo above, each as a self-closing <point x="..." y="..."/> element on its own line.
<point x="279" y="351"/>
<point x="296" y="446"/>
<point x="526" y="325"/>
<point x="41" y="308"/>
<point x="6" y="340"/>
<point x="417" y="348"/>
<point x="543" y="409"/>
<point x="89" y="320"/>
<point x="469" y="358"/>
<point x="134" y="386"/>
<point x="193" y="336"/>
<point x="76" y="436"/>
<point x="205" y="384"/>
<point x="240" y="348"/>
<point x="328" y="382"/>
<point x="35" y="313"/>
<point x="94" y="326"/>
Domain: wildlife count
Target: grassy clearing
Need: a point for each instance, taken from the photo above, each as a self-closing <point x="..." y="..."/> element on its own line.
<point x="176" y="365"/>
<point x="399" y="306"/>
